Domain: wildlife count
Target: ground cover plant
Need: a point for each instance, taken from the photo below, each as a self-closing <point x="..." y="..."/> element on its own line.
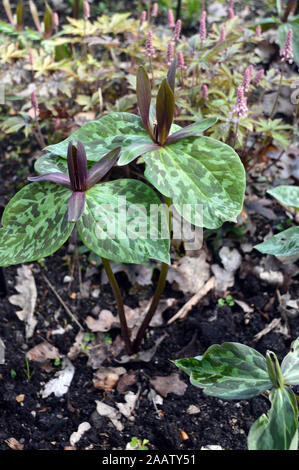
<point x="160" y="142"/>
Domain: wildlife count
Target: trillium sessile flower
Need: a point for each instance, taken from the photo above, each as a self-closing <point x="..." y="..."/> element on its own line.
<point x="79" y="180"/>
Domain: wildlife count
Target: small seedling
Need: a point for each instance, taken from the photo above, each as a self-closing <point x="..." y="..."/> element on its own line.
<point x="13" y="373"/>
<point x="234" y="371"/>
<point x="227" y="301"/>
<point x="29" y="373"/>
<point x="138" y="444"/>
<point x="87" y="339"/>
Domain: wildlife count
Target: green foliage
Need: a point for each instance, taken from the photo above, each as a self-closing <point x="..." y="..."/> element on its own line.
<point x="227" y="301"/>
<point x="234" y="371"/>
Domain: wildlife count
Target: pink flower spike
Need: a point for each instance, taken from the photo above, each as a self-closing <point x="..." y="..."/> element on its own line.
<point x="31" y="56"/>
<point x="56" y="19"/>
<point x="202" y="26"/>
<point x="86" y="10"/>
<point x="247" y="78"/>
<point x="142" y="17"/>
<point x="177" y="30"/>
<point x="205" y="92"/>
<point x="286" y="53"/>
<point x="222" y="35"/>
<point x="170" y="53"/>
<point x="231" y="3"/>
<point x="181" y="62"/>
<point x="171" y="22"/>
<point x="258" y="31"/>
<point x="149" y="49"/>
<point x="155" y="10"/>
<point x="231" y="13"/>
<point x="34" y="103"/>
<point x="240" y="108"/>
<point x="258" y="77"/>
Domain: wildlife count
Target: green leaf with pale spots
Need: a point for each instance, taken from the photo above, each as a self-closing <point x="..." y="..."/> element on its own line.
<point x="35" y="223"/>
<point x="278" y="430"/>
<point x="287" y="194"/>
<point x="285" y="243"/>
<point x="290" y="365"/>
<point x="199" y="171"/>
<point x="118" y="223"/>
<point x="105" y="134"/>
<point x="231" y="371"/>
<point x="50" y="163"/>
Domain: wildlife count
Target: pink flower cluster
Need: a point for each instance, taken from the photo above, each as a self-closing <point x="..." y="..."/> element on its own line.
<point x="286" y="53"/>
<point x="240" y="108"/>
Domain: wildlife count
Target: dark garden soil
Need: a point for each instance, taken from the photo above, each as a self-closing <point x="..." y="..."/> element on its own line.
<point x="47" y="423"/>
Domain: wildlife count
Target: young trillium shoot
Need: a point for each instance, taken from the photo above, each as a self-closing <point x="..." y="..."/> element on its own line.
<point x="233" y="371"/>
<point x="39" y="219"/>
<point x="203" y="177"/>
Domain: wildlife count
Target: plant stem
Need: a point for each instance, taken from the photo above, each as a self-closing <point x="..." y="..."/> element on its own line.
<point x="120" y="305"/>
<point x="278" y="91"/>
<point x="76" y="8"/>
<point x="156" y="299"/>
<point x="3" y="285"/>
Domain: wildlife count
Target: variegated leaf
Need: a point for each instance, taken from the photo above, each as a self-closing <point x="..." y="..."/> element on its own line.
<point x="287" y="194"/>
<point x="50" y="163"/>
<point x="35" y="223"/>
<point x="231" y="371"/>
<point x="290" y="365"/>
<point x="278" y="430"/>
<point x="116" y="223"/>
<point x="109" y="132"/>
<point x="285" y="243"/>
<point x="199" y="171"/>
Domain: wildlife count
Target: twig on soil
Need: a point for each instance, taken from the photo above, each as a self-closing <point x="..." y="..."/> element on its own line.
<point x="182" y="313"/>
<point x="274" y="324"/>
<point x="66" y="308"/>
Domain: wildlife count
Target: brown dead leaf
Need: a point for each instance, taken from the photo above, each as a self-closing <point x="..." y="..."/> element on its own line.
<point x="190" y="273"/>
<point x="20" y="398"/>
<point x="106" y="378"/>
<point x="126" y="381"/>
<point x="105" y="321"/>
<point x="169" y="384"/>
<point x="14" y="444"/>
<point x="42" y="352"/>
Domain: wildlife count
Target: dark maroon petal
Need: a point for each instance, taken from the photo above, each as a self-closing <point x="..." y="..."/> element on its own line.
<point x="56" y="177"/>
<point x="76" y="206"/>
<point x="144" y="94"/>
<point x="70" y="162"/>
<point x="164" y="110"/>
<point x="82" y="166"/>
<point x="101" y="168"/>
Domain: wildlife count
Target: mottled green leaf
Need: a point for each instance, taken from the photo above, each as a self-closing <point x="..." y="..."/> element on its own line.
<point x="231" y="371"/>
<point x="287" y="194"/>
<point x="285" y="243"/>
<point x="290" y="365"/>
<point x="105" y="134"/>
<point x="116" y="223"/>
<point x="35" y="223"/>
<point x="278" y="430"/>
<point x="192" y="130"/>
<point x="50" y="163"/>
<point x="199" y="171"/>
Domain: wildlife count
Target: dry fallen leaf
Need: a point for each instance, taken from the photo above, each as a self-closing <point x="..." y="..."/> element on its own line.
<point x="225" y="277"/>
<point x="110" y="413"/>
<point x="14" y="444"/>
<point x="60" y="385"/>
<point x="26" y="298"/>
<point x="129" y="405"/>
<point x="106" y="378"/>
<point x="76" y="436"/>
<point x="2" y="352"/>
<point x="126" y="381"/>
<point x="190" y="273"/>
<point x="169" y="384"/>
<point x="42" y="352"/>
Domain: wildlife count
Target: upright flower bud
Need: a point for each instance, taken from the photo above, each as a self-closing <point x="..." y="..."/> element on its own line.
<point x="142" y="17"/>
<point x="258" y="77"/>
<point x="149" y="48"/>
<point x="240" y="108"/>
<point x="258" y="31"/>
<point x="231" y="13"/>
<point x="31" y="57"/>
<point x="205" y="92"/>
<point x="34" y="103"/>
<point x="86" y="10"/>
<point x="171" y="22"/>
<point x="222" y="37"/>
<point x="56" y="19"/>
<point x="202" y="26"/>
<point x="247" y="78"/>
<point x="155" y="10"/>
<point x="181" y="62"/>
<point x="177" y="30"/>
<point x="286" y="53"/>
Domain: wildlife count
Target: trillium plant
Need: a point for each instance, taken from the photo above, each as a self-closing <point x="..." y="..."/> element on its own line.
<point x="233" y="371"/>
<point x="182" y="166"/>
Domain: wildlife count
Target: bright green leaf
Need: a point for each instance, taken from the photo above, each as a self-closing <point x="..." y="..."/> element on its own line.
<point x="287" y="194"/>
<point x="290" y="365"/>
<point x="285" y="243"/>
